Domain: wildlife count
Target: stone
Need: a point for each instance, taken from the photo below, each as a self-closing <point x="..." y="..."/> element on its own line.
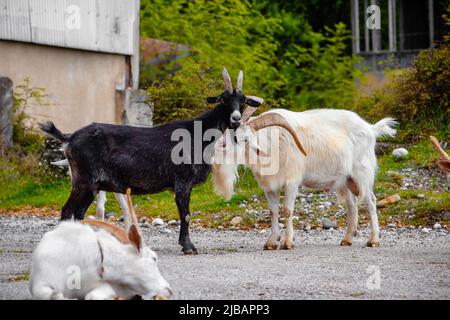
<point x="174" y="223"/>
<point x="426" y="230"/>
<point x="437" y="226"/>
<point x="109" y="214"/>
<point x="388" y="200"/>
<point x="6" y="104"/>
<point x="399" y="153"/>
<point x="446" y="215"/>
<point x="236" y="220"/>
<point x="327" y="223"/>
<point x="138" y="111"/>
<point x="144" y="219"/>
<point x="157" y="222"/>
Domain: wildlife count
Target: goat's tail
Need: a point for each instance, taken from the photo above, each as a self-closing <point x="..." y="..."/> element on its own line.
<point x="50" y="129"/>
<point x="385" y="128"/>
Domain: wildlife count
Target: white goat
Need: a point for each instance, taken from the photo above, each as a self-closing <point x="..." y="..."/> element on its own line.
<point x="101" y="197"/>
<point x="340" y="148"/>
<point x="74" y="261"/>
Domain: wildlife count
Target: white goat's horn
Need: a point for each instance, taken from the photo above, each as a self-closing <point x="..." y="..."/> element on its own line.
<point x="239" y="81"/>
<point x="115" y="231"/>
<point x="273" y="119"/>
<point x="442" y="154"/>
<point x="227" y="81"/>
<point x="248" y="113"/>
<point x="131" y="208"/>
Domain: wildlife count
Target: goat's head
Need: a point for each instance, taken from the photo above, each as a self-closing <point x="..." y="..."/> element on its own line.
<point x="232" y="102"/>
<point x="244" y="148"/>
<point x="142" y="274"/>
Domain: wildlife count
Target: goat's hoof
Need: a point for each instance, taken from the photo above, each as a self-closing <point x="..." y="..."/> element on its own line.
<point x="345" y="243"/>
<point x="373" y="244"/>
<point x="286" y="245"/>
<point x="189" y="251"/>
<point x="188" y="248"/>
<point x="271" y="246"/>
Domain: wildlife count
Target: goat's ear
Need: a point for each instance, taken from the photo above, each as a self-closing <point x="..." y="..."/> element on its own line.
<point x="253" y="101"/>
<point x="135" y="237"/>
<point x="214" y="99"/>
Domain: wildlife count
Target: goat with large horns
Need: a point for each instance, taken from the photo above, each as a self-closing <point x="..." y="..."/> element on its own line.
<point x="96" y="260"/>
<point x="114" y="157"/>
<point x="320" y="149"/>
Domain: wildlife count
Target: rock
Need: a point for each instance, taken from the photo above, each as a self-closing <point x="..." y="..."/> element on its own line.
<point x="327" y="223"/>
<point x="121" y="218"/>
<point x="392" y="225"/>
<point x="382" y="148"/>
<point x="197" y="220"/>
<point x="236" y="220"/>
<point x="157" y="222"/>
<point x="307" y="228"/>
<point x="6" y="106"/>
<point x="446" y="215"/>
<point x="174" y="223"/>
<point x="437" y="226"/>
<point x="242" y="205"/>
<point x="399" y="153"/>
<point x="426" y="230"/>
<point x="109" y="214"/>
<point x="280" y="225"/>
<point x="420" y="196"/>
<point x="144" y="219"/>
<point x="388" y="200"/>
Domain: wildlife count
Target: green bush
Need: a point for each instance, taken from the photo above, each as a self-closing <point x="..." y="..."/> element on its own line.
<point x="283" y="59"/>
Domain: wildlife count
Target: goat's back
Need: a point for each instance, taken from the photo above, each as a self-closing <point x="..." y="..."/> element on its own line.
<point x="69" y="250"/>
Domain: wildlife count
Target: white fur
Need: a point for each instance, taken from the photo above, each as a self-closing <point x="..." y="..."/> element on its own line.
<point x="75" y="246"/>
<point x="339" y="145"/>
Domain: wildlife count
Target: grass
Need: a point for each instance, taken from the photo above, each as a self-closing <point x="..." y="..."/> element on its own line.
<point x="23" y="192"/>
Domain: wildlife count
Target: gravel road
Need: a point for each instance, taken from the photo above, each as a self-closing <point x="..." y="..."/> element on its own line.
<point x="232" y="265"/>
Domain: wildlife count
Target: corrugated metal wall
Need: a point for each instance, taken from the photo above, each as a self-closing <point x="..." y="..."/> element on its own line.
<point x="95" y="25"/>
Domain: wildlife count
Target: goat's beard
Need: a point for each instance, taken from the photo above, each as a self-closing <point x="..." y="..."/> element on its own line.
<point x="224" y="177"/>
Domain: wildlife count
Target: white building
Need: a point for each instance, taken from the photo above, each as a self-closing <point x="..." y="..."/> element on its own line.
<point x="85" y="53"/>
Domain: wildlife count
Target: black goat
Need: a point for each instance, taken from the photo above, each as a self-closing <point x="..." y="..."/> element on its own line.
<point x="116" y="157"/>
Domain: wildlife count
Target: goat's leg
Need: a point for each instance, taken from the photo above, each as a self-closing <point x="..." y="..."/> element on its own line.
<point x="79" y="201"/>
<point x="101" y="200"/>
<point x="287" y="241"/>
<point x="46" y="292"/>
<point x="273" y="198"/>
<point x="352" y="216"/>
<point x="370" y="201"/>
<point x="122" y="199"/>
<point x="182" y="199"/>
<point x="102" y="292"/>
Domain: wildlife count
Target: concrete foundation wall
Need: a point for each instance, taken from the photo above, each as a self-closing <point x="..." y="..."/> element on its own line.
<point x="81" y="85"/>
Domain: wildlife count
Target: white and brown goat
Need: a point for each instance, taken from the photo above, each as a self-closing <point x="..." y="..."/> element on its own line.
<point x="95" y="260"/>
<point x="330" y="150"/>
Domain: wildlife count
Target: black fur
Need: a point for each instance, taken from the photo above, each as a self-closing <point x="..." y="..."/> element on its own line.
<point x="116" y="157"/>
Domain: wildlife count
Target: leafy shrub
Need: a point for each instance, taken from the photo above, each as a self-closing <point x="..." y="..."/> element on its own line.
<point x="24" y="158"/>
<point x="283" y="59"/>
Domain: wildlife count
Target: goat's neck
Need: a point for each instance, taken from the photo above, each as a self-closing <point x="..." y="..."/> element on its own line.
<point x="213" y="119"/>
<point x="117" y="259"/>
